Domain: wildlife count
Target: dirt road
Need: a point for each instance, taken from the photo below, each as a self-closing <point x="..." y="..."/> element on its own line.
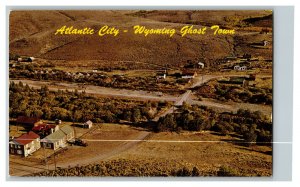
<point x="101" y="91"/>
<point x="232" y="106"/>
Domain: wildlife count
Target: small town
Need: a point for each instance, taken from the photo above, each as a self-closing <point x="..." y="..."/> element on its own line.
<point x="124" y="106"/>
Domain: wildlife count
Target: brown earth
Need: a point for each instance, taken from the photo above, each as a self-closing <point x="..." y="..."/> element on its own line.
<point x="32" y="33"/>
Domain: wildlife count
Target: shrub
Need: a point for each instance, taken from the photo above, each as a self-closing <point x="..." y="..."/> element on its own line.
<point x="226" y="171"/>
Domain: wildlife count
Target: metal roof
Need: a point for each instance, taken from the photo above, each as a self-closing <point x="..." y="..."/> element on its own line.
<point x="67" y="129"/>
<point x="54" y="137"/>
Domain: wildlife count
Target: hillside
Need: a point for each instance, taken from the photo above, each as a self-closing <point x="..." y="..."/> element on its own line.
<point x="32" y="33"/>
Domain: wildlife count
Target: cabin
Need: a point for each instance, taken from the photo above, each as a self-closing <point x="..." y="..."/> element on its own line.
<point x="161" y="76"/>
<point x="26" y="59"/>
<point x="86" y="125"/>
<point x="201" y="65"/>
<point x="240" y="68"/>
<point x="59" y="138"/>
<point x="264" y="43"/>
<point x="190" y="64"/>
<point x="25" y="145"/>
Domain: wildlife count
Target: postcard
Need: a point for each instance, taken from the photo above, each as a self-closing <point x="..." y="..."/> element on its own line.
<point x="140" y="93"/>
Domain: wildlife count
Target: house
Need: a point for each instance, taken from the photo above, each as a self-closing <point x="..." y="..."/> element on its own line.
<point x="28" y="121"/>
<point x="240" y="68"/>
<point x="201" y="65"/>
<point x="265" y="42"/>
<point x="26" y="59"/>
<point x="25" y="145"/>
<point x="188" y="74"/>
<point x="68" y="131"/>
<point x="161" y="76"/>
<point x="45" y="129"/>
<point x="59" y="138"/>
<point x="192" y="64"/>
<point x="86" y="125"/>
<point x="54" y="141"/>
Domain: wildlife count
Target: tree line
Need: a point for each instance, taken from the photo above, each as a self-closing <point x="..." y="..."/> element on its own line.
<point x="252" y="127"/>
<point x="76" y="106"/>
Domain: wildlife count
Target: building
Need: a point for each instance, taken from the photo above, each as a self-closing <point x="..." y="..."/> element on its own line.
<point x="26" y="59"/>
<point x="188" y="74"/>
<point x="59" y="138"/>
<point x="161" y="76"/>
<point x="86" y="125"/>
<point x="265" y="42"/>
<point x="25" y="144"/>
<point x="45" y="129"/>
<point x="28" y="121"/>
<point x="201" y="65"/>
<point x="240" y="68"/>
<point x="54" y="141"/>
<point x="68" y="131"/>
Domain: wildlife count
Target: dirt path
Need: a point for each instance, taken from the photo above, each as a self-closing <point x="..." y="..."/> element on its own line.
<point x="232" y="106"/>
<point x="102" y="91"/>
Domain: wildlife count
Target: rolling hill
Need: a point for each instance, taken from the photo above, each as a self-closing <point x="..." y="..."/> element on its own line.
<point x="32" y="33"/>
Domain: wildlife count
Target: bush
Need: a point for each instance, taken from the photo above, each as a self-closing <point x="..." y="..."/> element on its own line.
<point x="250" y="138"/>
<point x="226" y="171"/>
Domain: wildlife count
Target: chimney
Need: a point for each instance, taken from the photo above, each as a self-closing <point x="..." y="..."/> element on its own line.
<point x="52" y="130"/>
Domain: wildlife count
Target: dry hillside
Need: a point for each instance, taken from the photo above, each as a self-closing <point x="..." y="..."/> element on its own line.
<point x="32" y="33"/>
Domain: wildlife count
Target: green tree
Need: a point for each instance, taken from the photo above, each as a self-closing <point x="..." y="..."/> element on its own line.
<point x="136" y="115"/>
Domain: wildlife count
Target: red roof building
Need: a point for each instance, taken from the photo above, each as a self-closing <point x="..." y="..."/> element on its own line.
<point x="27" y="138"/>
<point x="25" y="145"/>
<point x="45" y="129"/>
<point x="43" y="126"/>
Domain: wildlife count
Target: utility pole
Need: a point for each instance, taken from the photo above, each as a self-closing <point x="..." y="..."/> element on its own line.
<point x="54" y="160"/>
<point x="45" y="158"/>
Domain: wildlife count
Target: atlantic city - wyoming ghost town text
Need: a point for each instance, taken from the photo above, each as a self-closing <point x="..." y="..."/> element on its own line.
<point x="142" y="30"/>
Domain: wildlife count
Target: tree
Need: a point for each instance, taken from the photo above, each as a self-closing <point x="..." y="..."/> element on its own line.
<point x="136" y="115"/>
<point x="195" y="172"/>
<point x="249" y="138"/>
<point x="77" y="115"/>
<point x="167" y="123"/>
<point x="127" y="115"/>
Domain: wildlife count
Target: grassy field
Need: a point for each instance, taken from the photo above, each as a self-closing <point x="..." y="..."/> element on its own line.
<point x="214" y="152"/>
<point x="165" y="152"/>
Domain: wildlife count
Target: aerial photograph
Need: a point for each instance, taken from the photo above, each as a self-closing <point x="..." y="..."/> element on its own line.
<point x="140" y="93"/>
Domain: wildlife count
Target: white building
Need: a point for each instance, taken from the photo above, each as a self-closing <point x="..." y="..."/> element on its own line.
<point x="240" y="68"/>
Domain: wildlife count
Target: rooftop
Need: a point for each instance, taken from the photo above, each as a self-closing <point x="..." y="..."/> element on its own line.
<point x="26" y="138"/>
